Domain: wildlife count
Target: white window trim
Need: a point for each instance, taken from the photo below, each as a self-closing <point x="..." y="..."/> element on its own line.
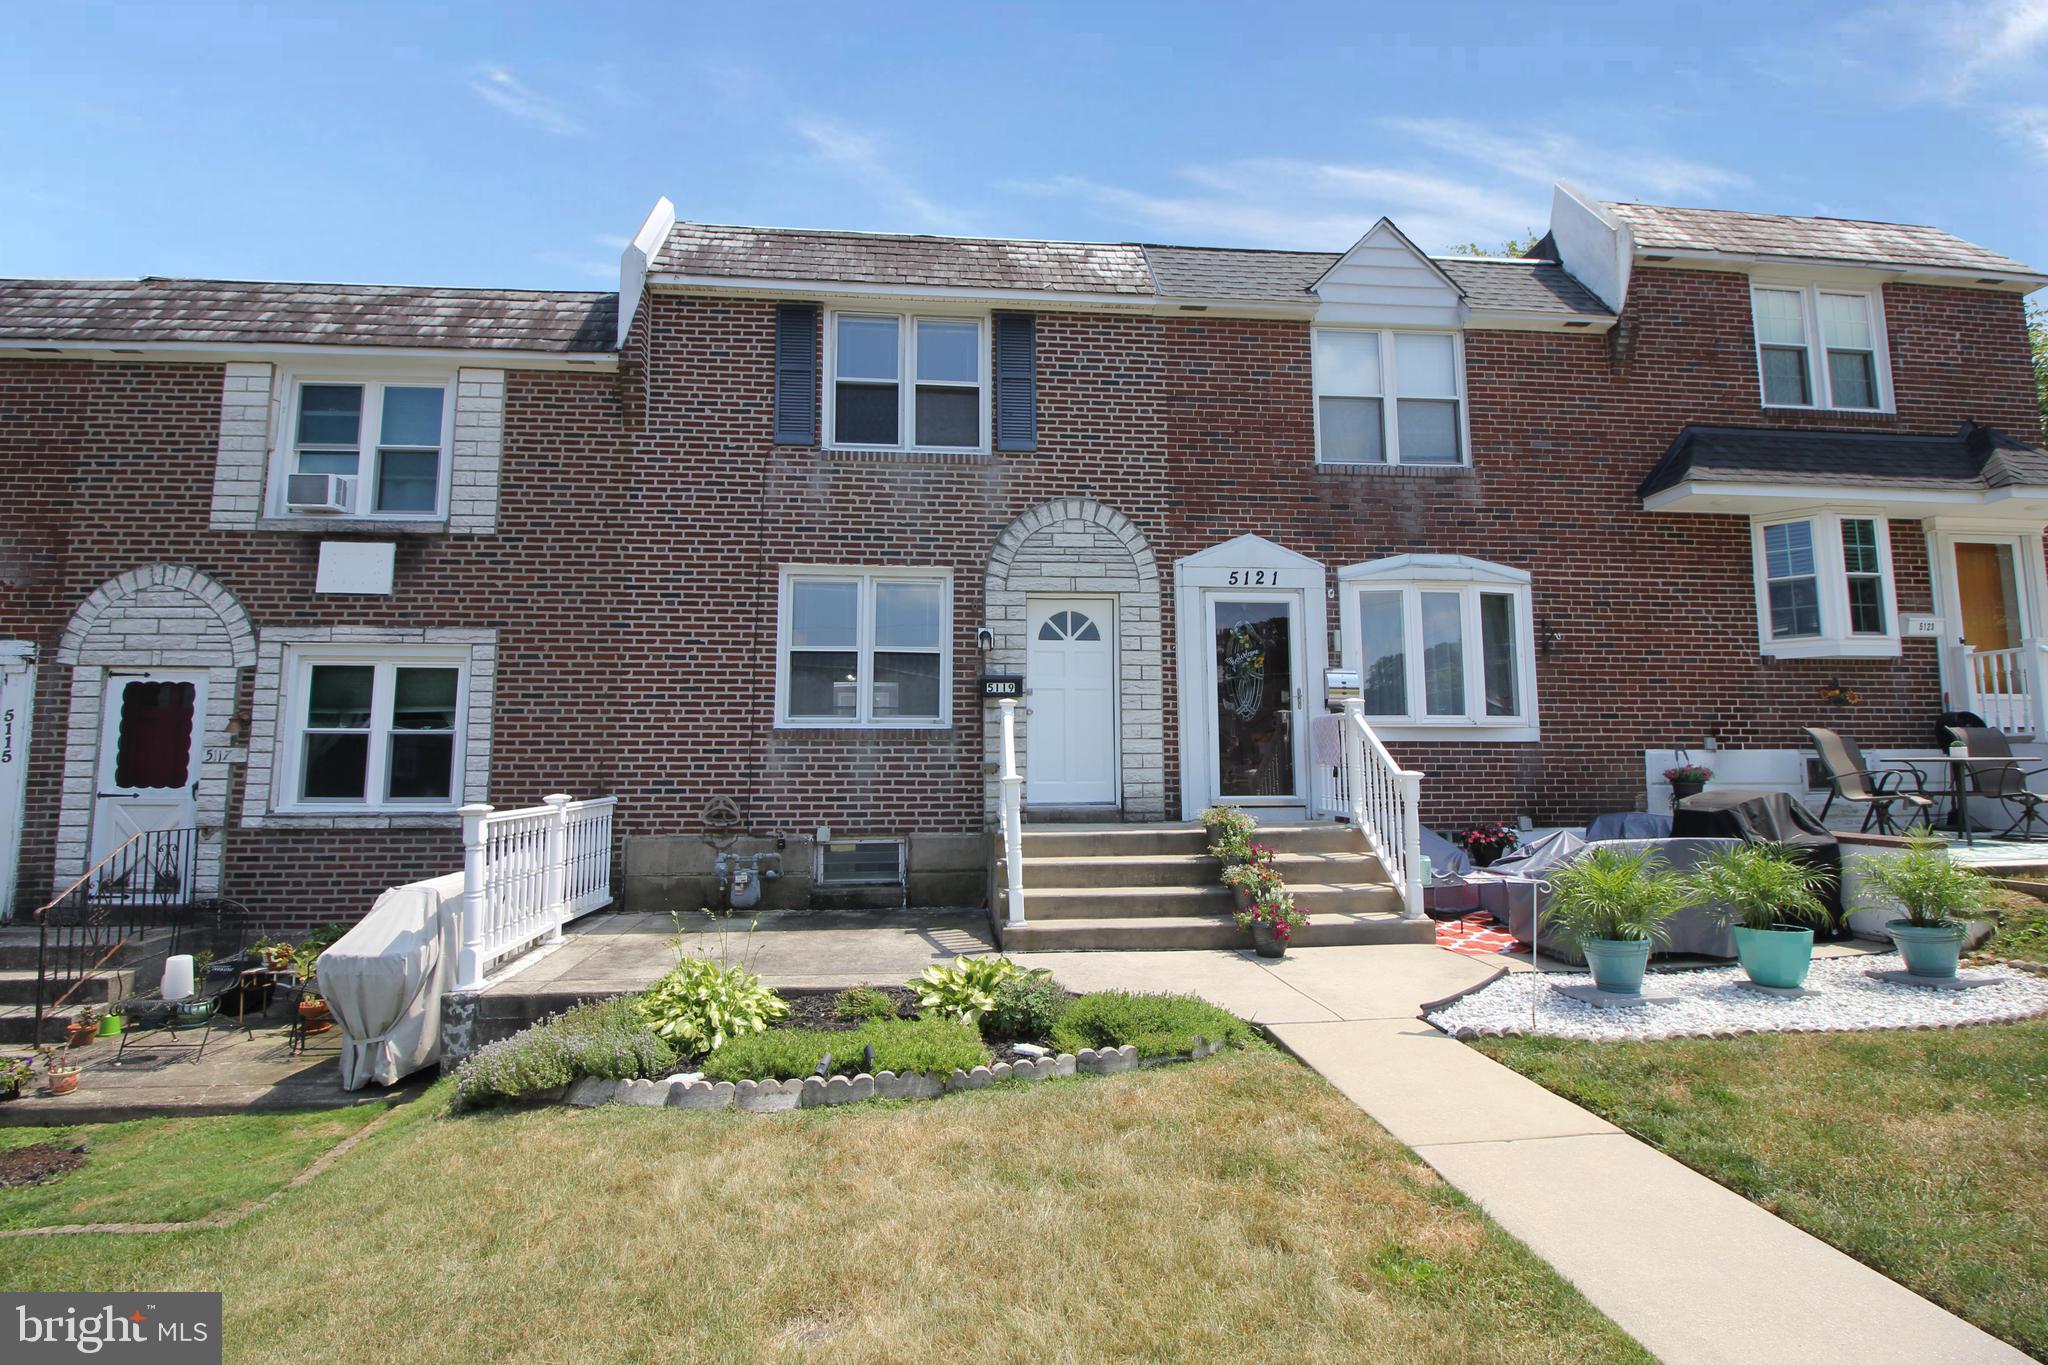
<point x="294" y="688"/>
<point x="1390" y="426"/>
<point x="1834" y="641"/>
<point x="284" y="449"/>
<point x="906" y="380"/>
<point x="1411" y="575"/>
<point x="864" y="648"/>
<point x="869" y="883"/>
<point x="1818" y="382"/>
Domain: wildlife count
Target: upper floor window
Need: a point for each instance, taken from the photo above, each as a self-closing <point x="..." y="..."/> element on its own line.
<point x="1824" y="586"/>
<point x="1441" y="642"/>
<point x="1386" y="397"/>
<point x="373" y="730"/>
<point x="1820" y="348"/>
<point x="902" y="382"/>
<point x="863" y="647"/>
<point x="366" y="448"/>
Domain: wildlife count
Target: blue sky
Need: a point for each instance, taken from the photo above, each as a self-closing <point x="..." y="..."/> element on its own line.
<point x="521" y="145"/>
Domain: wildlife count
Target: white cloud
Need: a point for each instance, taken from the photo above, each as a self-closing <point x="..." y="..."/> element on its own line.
<point x="1547" y="156"/>
<point x="1976" y="42"/>
<point x="1974" y="57"/>
<point x="2030" y="127"/>
<point x="860" y="160"/>
<point x="505" y="92"/>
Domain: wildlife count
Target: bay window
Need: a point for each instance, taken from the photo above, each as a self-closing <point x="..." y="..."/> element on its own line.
<point x="863" y="647"/>
<point x="383" y="442"/>
<point x="1824" y="586"/>
<point x="1819" y="348"/>
<point x="375" y="731"/>
<point x="1443" y="644"/>
<point x="902" y="382"/>
<point x="1388" y="397"/>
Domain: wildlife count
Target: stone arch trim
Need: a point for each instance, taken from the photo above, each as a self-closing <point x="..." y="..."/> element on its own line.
<point x="97" y="626"/>
<point x="1081" y="546"/>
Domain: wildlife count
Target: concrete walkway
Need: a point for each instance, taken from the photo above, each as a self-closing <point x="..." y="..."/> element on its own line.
<point x="1693" y="1271"/>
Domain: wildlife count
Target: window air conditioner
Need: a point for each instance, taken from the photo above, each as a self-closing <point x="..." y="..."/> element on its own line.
<point x="319" y="492"/>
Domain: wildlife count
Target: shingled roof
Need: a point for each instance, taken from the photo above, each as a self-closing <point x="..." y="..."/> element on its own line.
<point x="1976" y="457"/>
<point x="1822" y="239"/>
<point x="207" y="311"/>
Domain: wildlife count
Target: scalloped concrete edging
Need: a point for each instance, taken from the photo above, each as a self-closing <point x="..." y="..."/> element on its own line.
<point x="813" y="1092"/>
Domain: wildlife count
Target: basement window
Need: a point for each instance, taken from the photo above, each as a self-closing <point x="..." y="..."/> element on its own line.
<point x="863" y="862"/>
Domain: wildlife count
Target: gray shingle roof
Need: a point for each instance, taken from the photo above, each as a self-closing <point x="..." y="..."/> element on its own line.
<point x="883" y="258"/>
<point x="1976" y="457"/>
<point x="1200" y="272"/>
<point x="1522" y="286"/>
<point x="166" y="310"/>
<point x="1826" y="239"/>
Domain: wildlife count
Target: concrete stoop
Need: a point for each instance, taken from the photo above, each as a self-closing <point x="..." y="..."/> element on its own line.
<point x="1155" y="886"/>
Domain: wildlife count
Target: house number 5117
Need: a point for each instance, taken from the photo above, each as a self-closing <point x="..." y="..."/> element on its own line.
<point x="1254" y="578"/>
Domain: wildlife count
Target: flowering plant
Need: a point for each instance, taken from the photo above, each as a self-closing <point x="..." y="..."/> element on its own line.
<point x="1492" y="837"/>
<point x="1255" y="875"/>
<point x="1276" y="910"/>
<point x="1688" y="772"/>
<point x="16" y="1072"/>
<point x="1840" y="695"/>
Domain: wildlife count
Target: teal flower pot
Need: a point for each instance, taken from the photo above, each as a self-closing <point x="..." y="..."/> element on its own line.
<point x="1617" y="963"/>
<point x="1778" y="957"/>
<point x="1929" y="950"/>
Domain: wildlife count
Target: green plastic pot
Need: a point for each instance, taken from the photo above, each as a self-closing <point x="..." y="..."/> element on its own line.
<point x="1930" y="950"/>
<point x="1779" y="956"/>
<point x="110" y="1026"/>
<point x="1618" y="963"/>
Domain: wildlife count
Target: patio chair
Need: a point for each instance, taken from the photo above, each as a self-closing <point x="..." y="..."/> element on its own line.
<point x="1996" y="772"/>
<point x="1877" y="790"/>
<point x="216" y="928"/>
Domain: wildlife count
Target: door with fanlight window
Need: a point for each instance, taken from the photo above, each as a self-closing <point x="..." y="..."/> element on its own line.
<point x="152" y="726"/>
<point x="1070" y="742"/>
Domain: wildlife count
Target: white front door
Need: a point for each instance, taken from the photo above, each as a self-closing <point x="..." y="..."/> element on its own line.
<point x="1256" y="695"/>
<point x="151" y="730"/>
<point x="17" y="692"/>
<point x="1070" y="740"/>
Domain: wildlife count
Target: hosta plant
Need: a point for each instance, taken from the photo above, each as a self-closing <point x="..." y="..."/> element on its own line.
<point x="966" y="988"/>
<point x="700" y="1004"/>
<point x="1613" y="894"/>
<point x="1760" y="886"/>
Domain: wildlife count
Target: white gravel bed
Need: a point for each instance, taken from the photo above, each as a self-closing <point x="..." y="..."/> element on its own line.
<point x="1714" y="1002"/>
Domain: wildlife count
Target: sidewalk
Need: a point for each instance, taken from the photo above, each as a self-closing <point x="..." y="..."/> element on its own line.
<point x="1693" y="1271"/>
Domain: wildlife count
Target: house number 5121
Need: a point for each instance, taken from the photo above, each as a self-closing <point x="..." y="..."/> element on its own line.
<point x="1254" y="578"/>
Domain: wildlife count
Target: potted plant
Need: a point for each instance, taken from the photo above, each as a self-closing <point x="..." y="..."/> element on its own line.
<point x="1770" y="900"/>
<point x="275" y="954"/>
<point x="61" y="1072"/>
<point x="1934" y="893"/>
<point x="1253" y="878"/>
<point x="83" y="1028"/>
<point x="1272" y="919"/>
<point x="110" y="1023"/>
<point x="1485" y="843"/>
<point x="314" y="1016"/>
<point x="1687" y="779"/>
<point x="1615" y="905"/>
<point x="15" y="1072"/>
<point x="1230" y="833"/>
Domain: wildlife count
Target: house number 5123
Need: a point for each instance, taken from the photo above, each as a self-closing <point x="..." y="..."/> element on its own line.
<point x="1254" y="578"/>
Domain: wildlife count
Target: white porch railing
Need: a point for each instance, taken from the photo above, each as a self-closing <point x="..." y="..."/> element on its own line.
<point x="1013" y="817"/>
<point x="1383" y="799"/>
<point x="2004" y="686"/>
<point x="526" y="873"/>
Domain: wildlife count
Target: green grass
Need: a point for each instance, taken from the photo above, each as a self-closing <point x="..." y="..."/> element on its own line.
<point x="940" y="1045"/>
<point x="1237" y="1209"/>
<point x="2022" y="926"/>
<point x="1923" y="1154"/>
<point x="1157" y="1025"/>
<point x="173" y="1170"/>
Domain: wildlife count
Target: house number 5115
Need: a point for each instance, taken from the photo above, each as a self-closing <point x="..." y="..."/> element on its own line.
<point x="1254" y="578"/>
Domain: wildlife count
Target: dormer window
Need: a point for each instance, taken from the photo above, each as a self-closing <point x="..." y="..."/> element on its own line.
<point x="1820" y="348"/>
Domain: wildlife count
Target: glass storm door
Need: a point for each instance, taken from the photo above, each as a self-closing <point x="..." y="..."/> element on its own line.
<point x="150" y="735"/>
<point x="1255" y="672"/>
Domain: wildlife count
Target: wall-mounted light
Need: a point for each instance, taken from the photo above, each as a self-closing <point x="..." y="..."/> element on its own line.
<point x="984" y="639"/>
<point x="1549" y="636"/>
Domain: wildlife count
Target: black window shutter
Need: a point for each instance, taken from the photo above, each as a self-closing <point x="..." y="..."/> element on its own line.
<point x="796" y="374"/>
<point x="1016" y="381"/>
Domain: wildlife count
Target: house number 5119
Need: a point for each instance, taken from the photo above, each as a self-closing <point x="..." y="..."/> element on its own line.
<point x="1254" y="578"/>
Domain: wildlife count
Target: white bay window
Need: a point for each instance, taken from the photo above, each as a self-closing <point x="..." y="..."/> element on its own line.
<point x="1820" y="348"/>
<point x="1388" y="397"/>
<point x="1444" y="646"/>
<point x="1824" y="586"/>
<point x="863" y="647"/>
<point x="903" y="382"/>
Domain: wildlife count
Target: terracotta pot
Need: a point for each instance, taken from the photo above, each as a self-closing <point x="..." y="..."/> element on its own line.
<point x="63" y="1082"/>
<point x="314" y="1016"/>
<point x="78" y="1035"/>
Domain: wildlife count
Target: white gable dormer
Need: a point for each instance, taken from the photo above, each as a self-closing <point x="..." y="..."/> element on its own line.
<point x="1386" y="281"/>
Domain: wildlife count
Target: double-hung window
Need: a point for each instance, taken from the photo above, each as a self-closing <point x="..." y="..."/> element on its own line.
<point x="1441" y="643"/>
<point x="1824" y="586"/>
<point x="384" y="444"/>
<point x="1387" y="397"/>
<point x="374" y="731"/>
<point x="903" y="382"/>
<point x="1819" y="348"/>
<point x="864" y="647"/>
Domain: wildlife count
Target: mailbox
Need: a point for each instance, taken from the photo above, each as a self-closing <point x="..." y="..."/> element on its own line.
<point x="1339" y="686"/>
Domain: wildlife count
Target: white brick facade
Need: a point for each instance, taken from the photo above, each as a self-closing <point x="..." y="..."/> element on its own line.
<point x="479" y="450"/>
<point x="238" y="473"/>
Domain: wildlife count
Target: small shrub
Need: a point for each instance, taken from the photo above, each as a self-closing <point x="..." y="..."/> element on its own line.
<point x="1157" y="1025"/>
<point x="1932" y="891"/>
<point x="1025" y="1009"/>
<point x="1760" y="886"/>
<point x="931" y="1045"/>
<point x="864" y="1002"/>
<point x="699" y="1005"/>
<point x="965" y="990"/>
<point x="1609" y="893"/>
<point x="605" y="1039"/>
<point x="527" y="1063"/>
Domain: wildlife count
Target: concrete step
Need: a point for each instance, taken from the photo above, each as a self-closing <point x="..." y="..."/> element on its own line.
<point x="1154" y="902"/>
<point x="20" y="947"/>
<point x="1193" y="869"/>
<point x="18" y="987"/>
<point x="1128" y="841"/>
<point x="18" y="1022"/>
<point x="1207" y="931"/>
<point x="1317" y="836"/>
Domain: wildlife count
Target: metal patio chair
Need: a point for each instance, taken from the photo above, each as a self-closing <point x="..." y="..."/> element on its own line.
<point x="1877" y="790"/>
<point x="1997" y="772"/>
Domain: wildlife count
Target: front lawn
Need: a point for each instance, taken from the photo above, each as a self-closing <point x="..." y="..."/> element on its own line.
<point x="1923" y="1154"/>
<point x="2022" y="923"/>
<point x="1237" y="1208"/>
